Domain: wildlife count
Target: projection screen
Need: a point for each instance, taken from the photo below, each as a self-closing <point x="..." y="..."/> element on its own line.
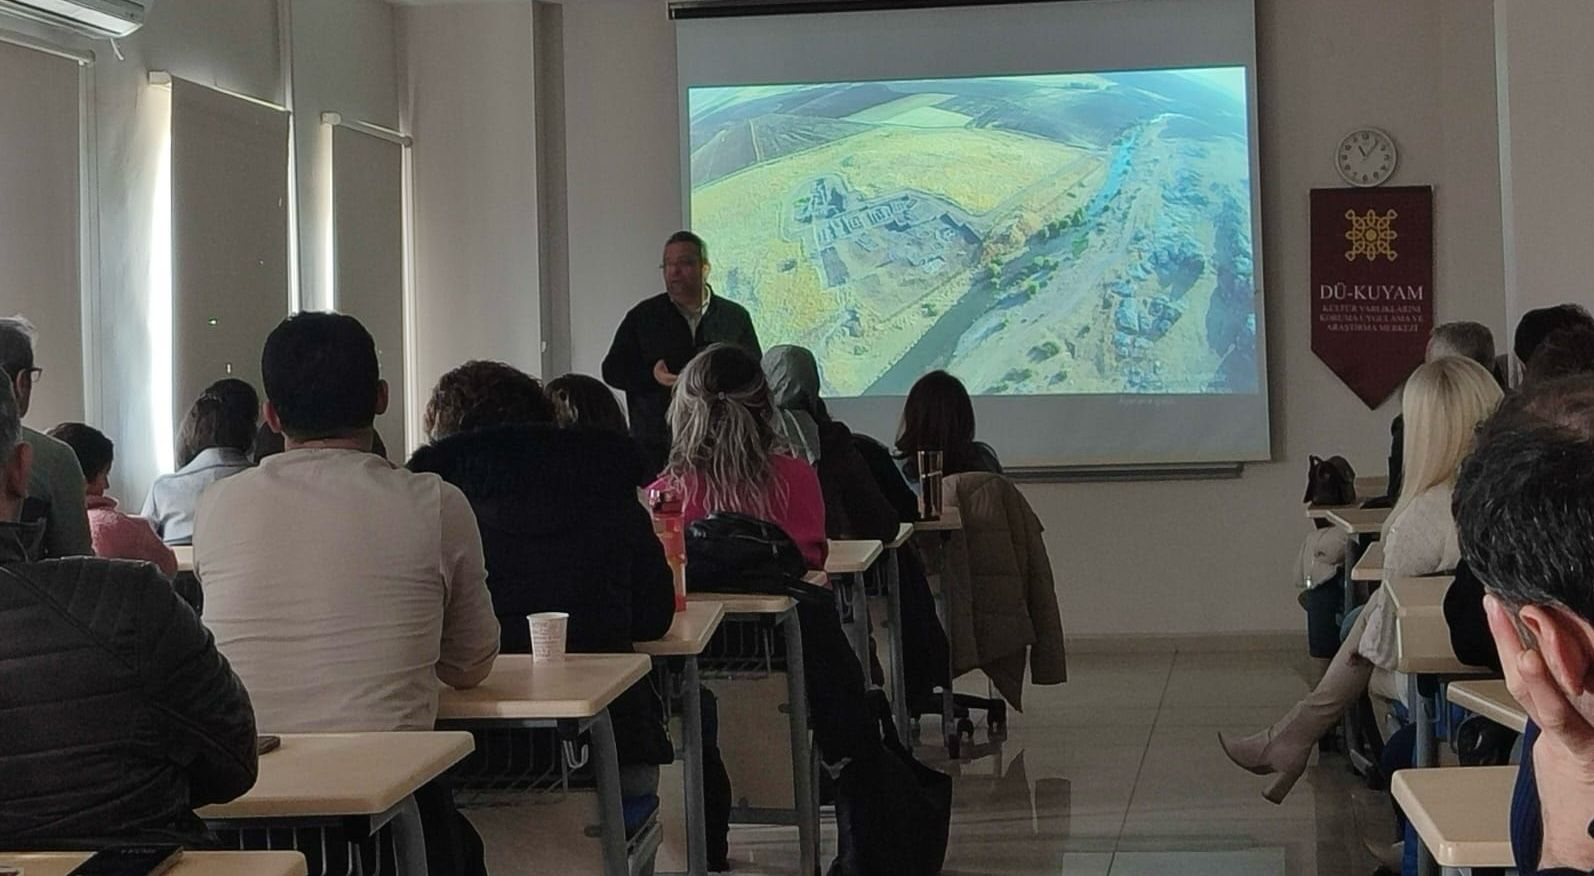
<point x="1056" y="202"/>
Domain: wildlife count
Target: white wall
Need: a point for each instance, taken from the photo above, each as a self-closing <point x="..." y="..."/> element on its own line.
<point x="468" y="85"/>
<point x="1546" y="97"/>
<point x="1193" y="557"/>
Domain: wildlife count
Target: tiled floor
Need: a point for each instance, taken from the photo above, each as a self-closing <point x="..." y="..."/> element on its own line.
<point x="1118" y="773"/>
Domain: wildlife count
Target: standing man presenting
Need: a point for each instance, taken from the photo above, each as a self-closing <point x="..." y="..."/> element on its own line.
<point x="660" y="335"/>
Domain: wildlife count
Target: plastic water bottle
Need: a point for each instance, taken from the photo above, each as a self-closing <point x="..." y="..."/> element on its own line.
<point x="665" y="506"/>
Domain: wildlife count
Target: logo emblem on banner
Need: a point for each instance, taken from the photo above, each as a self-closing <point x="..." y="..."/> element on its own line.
<point x="1372" y="285"/>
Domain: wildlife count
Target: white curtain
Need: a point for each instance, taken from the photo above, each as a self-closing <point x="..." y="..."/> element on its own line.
<point x="368" y="219"/>
<point x="39" y="227"/>
<point x="229" y="235"/>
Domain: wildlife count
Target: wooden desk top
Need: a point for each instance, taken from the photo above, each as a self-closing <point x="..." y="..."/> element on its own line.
<point x="690" y="632"/>
<point x="579" y="686"/>
<point x="1422" y="636"/>
<point x="1463" y="814"/>
<point x="904" y="532"/>
<point x="746" y="603"/>
<point x="1371" y="566"/>
<point x="340" y="774"/>
<point x="191" y="863"/>
<point x="1491" y="700"/>
<point x="852" y="557"/>
<point x="951" y="519"/>
<point x="1358" y="521"/>
<point x="185" y="557"/>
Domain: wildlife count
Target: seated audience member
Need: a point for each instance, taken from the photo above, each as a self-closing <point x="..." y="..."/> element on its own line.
<point x="1524" y="505"/>
<point x="855" y="507"/>
<point x="56" y="484"/>
<point x="939" y="415"/>
<point x="325" y="555"/>
<point x="727" y="455"/>
<point x="117" y="536"/>
<point x="1566" y="352"/>
<point x="584" y="402"/>
<point x="1443" y="403"/>
<point x="562" y="531"/>
<point x="342" y="588"/>
<point x="212" y="444"/>
<point x="1540" y="323"/>
<point x="1466" y="340"/>
<point x="119" y="716"/>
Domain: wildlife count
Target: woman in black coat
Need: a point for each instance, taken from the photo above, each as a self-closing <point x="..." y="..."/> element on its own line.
<point x="562" y="530"/>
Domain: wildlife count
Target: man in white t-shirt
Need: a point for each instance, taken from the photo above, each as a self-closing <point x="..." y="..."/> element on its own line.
<point x="340" y="587"/>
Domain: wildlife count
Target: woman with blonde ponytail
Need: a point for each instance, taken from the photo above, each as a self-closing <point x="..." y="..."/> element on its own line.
<point x="727" y="456"/>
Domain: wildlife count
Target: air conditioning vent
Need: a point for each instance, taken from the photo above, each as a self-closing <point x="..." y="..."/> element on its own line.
<point x="100" y="19"/>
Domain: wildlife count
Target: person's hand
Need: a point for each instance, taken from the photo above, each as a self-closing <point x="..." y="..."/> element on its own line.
<point x="661" y="373"/>
<point x="1563" y="759"/>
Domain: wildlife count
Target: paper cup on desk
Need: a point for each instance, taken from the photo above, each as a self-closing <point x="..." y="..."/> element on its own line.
<point x="548" y="635"/>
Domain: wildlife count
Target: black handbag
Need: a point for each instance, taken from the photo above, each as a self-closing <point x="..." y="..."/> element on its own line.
<point x="1330" y="481"/>
<point x="737" y="553"/>
<point x="893" y="813"/>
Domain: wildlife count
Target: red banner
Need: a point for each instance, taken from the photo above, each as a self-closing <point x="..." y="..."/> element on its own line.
<point x="1372" y="284"/>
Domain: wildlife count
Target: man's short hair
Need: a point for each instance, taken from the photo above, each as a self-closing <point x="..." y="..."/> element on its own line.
<point x="1524" y="501"/>
<point x="94" y="451"/>
<point x="693" y="239"/>
<point x="1536" y="325"/>
<point x="1565" y="352"/>
<point x="321" y="375"/>
<point x="10" y="422"/>
<point x="17" y="336"/>
<point x="1468" y="340"/>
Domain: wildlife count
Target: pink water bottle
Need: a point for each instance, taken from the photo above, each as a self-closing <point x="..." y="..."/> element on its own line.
<point x="666" y="507"/>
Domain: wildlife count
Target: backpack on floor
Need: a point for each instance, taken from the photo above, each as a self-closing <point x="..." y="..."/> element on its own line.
<point x="893" y="813"/>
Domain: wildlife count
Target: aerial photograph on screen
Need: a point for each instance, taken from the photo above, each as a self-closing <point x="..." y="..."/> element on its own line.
<point x="1034" y="235"/>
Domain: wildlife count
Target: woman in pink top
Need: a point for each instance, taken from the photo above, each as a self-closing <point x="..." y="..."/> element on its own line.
<point x="116" y="536"/>
<point x="727" y="455"/>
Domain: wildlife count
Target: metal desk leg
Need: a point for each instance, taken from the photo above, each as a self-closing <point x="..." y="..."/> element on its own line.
<point x="899" y="676"/>
<point x="611" y="816"/>
<point x="1424" y="748"/>
<point x="861" y="627"/>
<point x="802" y="768"/>
<point x="1354" y="548"/>
<point x="692" y="728"/>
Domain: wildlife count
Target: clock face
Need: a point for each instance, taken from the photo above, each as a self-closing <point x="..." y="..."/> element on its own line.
<point x="1366" y="157"/>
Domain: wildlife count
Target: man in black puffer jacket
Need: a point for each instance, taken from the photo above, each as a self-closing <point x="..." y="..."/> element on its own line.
<point x="117" y="715"/>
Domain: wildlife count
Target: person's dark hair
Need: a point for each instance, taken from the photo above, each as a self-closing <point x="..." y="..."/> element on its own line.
<point x="939" y="415"/>
<point x="223" y="416"/>
<point x="1536" y="325"/>
<point x="482" y="394"/>
<point x="1469" y="340"/>
<point x="1563" y="353"/>
<point x="268" y="442"/>
<point x="581" y="401"/>
<point x="94" y="451"/>
<point x="321" y="375"/>
<point x="1524" y="501"/>
<point x="689" y="237"/>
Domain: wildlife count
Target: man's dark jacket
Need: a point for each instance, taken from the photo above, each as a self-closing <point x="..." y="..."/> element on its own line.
<point x="655" y="330"/>
<point x="118" y="717"/>
<point x="562" y="530"/>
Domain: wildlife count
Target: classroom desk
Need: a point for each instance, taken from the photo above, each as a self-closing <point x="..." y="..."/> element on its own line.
<point x="1370" y="487"/>
<point x="1363" y="525"/>
<point x="190" y="864"/>
<point x="346" y="784"/>
<point x="1423" y="649"/>
<point x="1370" y="567"/>
<point x="1489" y="698"/>
<point x="1462" y="814"/>
<point x="573" y="694"/>
<point x="951" y="520"/>
<point x="845" y="563"/>
<point x="899" y="677"/>
<point x="688" y="636"/>
<point x="185" y="557"/>
<point x="805" y="808"/>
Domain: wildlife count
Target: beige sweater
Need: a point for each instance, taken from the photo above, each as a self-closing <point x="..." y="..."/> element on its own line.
<point x="342" y="589"/>
<point x="1420" y="541"/>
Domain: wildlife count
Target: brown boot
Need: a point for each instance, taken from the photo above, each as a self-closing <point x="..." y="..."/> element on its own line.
<point x="1286" y="747"/>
